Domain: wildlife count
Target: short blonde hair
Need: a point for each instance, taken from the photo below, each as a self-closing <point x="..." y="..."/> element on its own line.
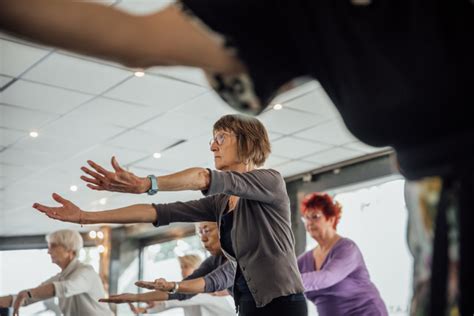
<point x="191" y="261"/>
<point x="69" y="239"/>
<point x="253" y="144"/>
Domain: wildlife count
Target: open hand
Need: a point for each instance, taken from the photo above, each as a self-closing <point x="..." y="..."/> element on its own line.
<point x="159" y="284"/>
<point x="20" y="298"/>
<point x="120" y="180"/>
<point x="68" y="212"/>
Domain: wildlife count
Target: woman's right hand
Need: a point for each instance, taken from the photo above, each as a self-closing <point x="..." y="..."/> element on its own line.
<point x="68" y="212"/>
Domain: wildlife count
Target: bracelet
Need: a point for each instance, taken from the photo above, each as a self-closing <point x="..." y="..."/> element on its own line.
<point x="174" y="289"/>
<point x="29" y="294"/>
<point x="80" y="218"/>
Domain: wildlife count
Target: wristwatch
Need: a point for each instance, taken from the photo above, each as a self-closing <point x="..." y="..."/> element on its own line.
<point x="154" y="185"/>
<point x="175" y="289"/>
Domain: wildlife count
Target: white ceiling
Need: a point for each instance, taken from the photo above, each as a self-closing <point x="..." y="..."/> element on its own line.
<point x="85" y="108"/>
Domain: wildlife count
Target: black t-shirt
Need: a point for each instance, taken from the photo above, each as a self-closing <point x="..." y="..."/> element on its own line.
<point x="399" y="71"/>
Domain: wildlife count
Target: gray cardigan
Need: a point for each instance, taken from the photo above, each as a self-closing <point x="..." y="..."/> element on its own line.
<point x="218" y="274"/>
<point x="261" y="234"/>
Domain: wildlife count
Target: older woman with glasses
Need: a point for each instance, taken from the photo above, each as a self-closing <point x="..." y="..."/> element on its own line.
<point x="334" y="274"/>
<point x="250" y="205"/>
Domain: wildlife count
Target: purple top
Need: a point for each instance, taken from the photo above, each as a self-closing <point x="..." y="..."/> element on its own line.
<point x="342" y="286"/>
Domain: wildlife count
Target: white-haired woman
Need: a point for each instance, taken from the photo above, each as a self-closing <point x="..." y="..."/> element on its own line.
<point x="78" y="287"/>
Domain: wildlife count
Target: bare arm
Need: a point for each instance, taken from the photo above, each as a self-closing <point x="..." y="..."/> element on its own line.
<point x="121" y="180"/>
<point x="39" y="293"/>
<point x="6" y="301"/>
<point x="131" y="298"/>
<point x="69" y="212"/>
<point x="167" y="37"/>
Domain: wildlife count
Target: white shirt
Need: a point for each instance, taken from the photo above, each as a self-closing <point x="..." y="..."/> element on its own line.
<point x="199" y="305"/>
<point x="78" y="288"/>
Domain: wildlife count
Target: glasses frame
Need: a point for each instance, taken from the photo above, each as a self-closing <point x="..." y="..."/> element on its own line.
<point x="220" y="142"/>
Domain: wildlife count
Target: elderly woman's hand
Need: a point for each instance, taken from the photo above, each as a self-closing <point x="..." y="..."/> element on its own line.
<point x="68" y="212"/>
<point x="119" y="181"/>
<point x="159" y="284"/>
<point x="20" y="299"/>
<point x="120" y="298"/>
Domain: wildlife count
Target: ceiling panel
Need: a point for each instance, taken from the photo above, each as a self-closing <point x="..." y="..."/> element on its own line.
<point x="41" y="97"/>
<point x="208" y="105"/>
<point x="188" y="74"/>
<point x="182" y="126"/>
<point x="4" y="80"/>
<point x="30" y="159"/>
<point x="295" y="167"/>
<point x="275" y="160"/>
<point x="9" y="136"/>
<point x="16" y="58"/>
<point x="83" y="131"/>
<point x="364" y="148"/>
<point x="333" y="132"/>
<point x="76" y="74"/>
<point x="293" y="148"/>
<point x="18" y="118"/>
<point x="143" y="141"/>
<point x="287" y="122"/>
<point x="163" y="94"/>
<point x="102" y="111"/>
<point x="192" y="153"/>
<point x="316" y="102"/>
<point x="333" y="155"/>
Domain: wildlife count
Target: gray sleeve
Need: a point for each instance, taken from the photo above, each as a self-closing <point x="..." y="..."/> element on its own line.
<point x="192" y="211"/>
<point x="265" y="185"/>
<point x="204" y="268"/>
<point x="220" y="279"/>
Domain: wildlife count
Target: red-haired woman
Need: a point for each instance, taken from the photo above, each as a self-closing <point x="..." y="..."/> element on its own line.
<point x="334" y="274"/>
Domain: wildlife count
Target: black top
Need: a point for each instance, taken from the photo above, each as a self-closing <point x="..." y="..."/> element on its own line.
<point x="399" y="71"/>
<point x="240" y="285"/>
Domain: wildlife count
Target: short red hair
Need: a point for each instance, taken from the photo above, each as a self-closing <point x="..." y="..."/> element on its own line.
<point x="323" y="202"/>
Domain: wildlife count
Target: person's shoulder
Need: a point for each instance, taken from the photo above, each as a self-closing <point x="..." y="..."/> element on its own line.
<point x="304" y="258"/>
<point x="83" y="267"/>
<point x="346" y="244"/>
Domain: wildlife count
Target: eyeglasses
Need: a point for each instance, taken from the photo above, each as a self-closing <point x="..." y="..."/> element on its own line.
<point x="219" y="138"/>
<point x="205" y="231"/>
<point x="313" y="217"/>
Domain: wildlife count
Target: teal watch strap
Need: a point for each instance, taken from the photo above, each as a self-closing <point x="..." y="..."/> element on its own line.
<point x="154" y="185"/>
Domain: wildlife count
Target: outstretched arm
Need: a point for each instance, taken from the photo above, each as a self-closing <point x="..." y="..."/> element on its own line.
<point x="39" y="293"/>
<point x="132" y="298"/>
<point x="168" y="37"/>
<point x="121" y="180"/>
<point x="69" y="212"/>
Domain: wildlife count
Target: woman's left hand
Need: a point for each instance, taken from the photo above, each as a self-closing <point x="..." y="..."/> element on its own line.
<point x="120" y="298"/>
<point x="120" y="180"/>
<point x="20" y="298"/>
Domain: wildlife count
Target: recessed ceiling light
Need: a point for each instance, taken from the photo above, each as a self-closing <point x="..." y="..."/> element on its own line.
<point x="103" y="201"/>
<point x="157" y="155"/>
<point x="101" y="249"/>
<point x="92" y="234"/>
<point x="73" y="188"/>
<point x="277" y="107"/>
<point x="100" y="235"/>
<point x="34" y="134"/>
<point x="139" y="73"/>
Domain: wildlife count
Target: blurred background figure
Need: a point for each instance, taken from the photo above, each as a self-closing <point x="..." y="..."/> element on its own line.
<point x="334" y="273"/>
<point x="78" y="287"/>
